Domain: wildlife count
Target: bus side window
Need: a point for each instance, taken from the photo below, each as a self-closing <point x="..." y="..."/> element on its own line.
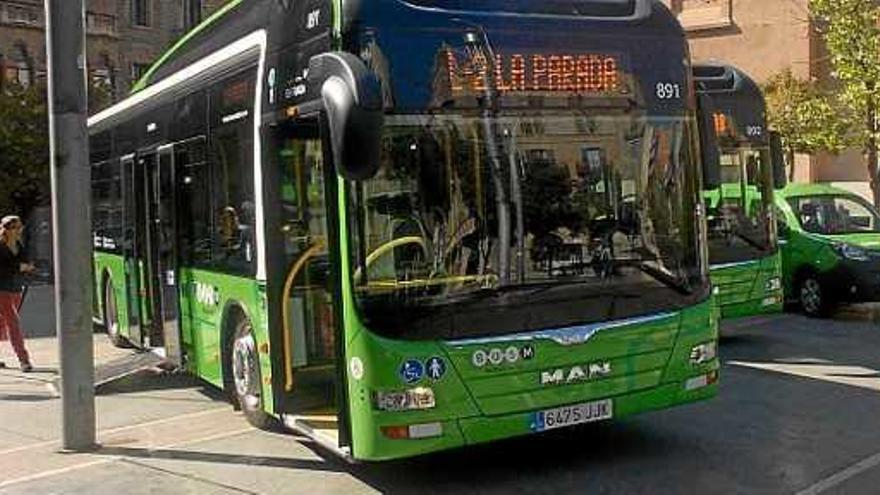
<point x="231" y="160"/>
<point x="107" y="205"/>
<point x="194" y="212"/>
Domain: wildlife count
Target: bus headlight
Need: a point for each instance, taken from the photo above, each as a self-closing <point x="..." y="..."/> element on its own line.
<point x="404" y="400"/>
<point x="773" y="284"/>
<point x="703" y="353"/>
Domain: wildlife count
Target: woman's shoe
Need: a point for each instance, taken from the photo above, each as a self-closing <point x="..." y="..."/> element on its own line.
<point x="27" y="367"/>
<point x="2" y="364"/>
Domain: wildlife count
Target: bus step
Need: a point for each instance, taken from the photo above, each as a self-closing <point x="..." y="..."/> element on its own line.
<point x="117" y="369"/>
<point x="320" y="427"/>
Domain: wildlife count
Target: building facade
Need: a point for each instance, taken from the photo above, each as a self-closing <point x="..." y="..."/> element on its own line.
<point x="123" y="38"/>
<point x="764" y="37"/>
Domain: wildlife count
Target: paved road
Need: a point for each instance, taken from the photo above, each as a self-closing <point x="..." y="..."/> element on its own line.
<point x="799" y="412"/>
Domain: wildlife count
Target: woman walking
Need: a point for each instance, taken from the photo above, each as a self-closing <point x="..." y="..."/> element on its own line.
<point x="12" y="266"/>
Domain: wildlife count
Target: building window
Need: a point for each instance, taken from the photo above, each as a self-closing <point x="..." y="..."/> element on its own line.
<point x="22" y="15"/>
<point x="100" y="24"/>
<point x="703" y="14"/>
<point x="140" y="12"/>
<point x="192" y="13"/>
<point x="138" y="71"/>
<point x="19" y="74"/>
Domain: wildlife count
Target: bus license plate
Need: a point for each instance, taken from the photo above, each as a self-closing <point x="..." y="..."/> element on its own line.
<point x="572" y="415"/>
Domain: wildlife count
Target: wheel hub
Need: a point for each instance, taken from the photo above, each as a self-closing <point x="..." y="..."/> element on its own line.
<point x="811" y="295"/>
<point x="244" y="370"/>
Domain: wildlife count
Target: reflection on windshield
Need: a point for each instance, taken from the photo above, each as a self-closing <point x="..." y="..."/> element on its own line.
<point x="542" y="205"/>
<point x="739" y="210"/>
<point x="835" y="215"/>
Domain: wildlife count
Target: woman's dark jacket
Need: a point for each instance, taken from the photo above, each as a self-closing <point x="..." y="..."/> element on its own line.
<point x="10" y="269"/>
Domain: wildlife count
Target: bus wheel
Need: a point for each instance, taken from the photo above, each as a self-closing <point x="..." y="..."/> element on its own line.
<point x="246" y="377"/>
<point x="812" y="297"/>
<point x="111" y="317"/>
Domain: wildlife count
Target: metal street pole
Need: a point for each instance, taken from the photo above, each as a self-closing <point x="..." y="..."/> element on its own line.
<point x="65" y="43"/>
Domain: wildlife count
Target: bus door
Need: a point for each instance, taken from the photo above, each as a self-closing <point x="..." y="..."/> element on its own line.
<point x="153" y="272"/>
<point x="163" y="253"/>
<point x="308" y="339"/>
<point x="132" y="248"/>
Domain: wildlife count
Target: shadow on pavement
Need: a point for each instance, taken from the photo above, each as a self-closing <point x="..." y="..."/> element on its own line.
<point x="27" y="397"/>
<point x="496" y="466"/>
<point x="214" y="457"/>
<point x="155" y="379"/>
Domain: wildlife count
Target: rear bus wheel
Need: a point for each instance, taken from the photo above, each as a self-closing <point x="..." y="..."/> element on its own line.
<point x="247" y="380"/>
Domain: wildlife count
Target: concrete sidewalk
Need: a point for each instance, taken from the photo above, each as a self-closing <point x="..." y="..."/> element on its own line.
<point x="157" y="434"/>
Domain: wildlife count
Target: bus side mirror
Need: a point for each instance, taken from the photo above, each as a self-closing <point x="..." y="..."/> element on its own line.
<point x="353" y="102"/>
<point x="709" y="154"/>
<point x="777" y="157"/>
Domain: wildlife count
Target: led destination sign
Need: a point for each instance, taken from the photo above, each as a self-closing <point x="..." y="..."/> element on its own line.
<point x="584" y="73"/>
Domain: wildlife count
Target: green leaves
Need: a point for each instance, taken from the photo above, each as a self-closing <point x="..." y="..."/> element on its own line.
<point x="851" y="32"/>
<point x="808" y="119"/>
<point x="24" y="143"/>
<point x="24" y="149"/>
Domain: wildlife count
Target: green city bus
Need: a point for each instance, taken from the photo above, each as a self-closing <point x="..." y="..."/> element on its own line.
<point x="743" y="251"/>
<point x="398" y="227"/>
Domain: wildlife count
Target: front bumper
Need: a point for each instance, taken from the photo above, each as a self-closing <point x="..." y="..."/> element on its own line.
<point x="853" y="281"/>
<point x="486" y="429"/>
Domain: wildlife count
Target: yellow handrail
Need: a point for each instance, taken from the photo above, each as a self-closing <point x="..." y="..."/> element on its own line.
<point x="384" y="248"/>
<point x="399" y="284"/>
<point x="285" y="312"/>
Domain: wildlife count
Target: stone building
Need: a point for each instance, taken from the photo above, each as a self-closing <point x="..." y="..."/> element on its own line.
<point x="763" y="37"/>
<point x="123" y="37"/>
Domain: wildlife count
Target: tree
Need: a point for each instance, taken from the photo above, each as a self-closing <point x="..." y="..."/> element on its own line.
<point x="851" y="31"/>
<point x="807" y="118"/>
<point x="24" y="139"/>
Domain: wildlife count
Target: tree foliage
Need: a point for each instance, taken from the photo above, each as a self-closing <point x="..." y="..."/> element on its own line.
<point x="24" y="141"/>
<point x="808" y="119"/>
<point x="851" y="31"/>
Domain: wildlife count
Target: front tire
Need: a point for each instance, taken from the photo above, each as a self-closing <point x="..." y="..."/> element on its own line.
<point x="247" y="381"/>
<point x="813" y="297"/>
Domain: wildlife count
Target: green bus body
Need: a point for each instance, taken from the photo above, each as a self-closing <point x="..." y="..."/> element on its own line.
<point x="746" y="277"/>
<point x="471" y="388"/>
<point x="840" y="252"/>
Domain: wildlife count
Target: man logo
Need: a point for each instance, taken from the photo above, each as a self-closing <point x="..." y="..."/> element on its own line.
<point x="561" y="376"/>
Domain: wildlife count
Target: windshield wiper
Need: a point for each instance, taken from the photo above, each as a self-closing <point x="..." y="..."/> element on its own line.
<point x="665" y="278"/>
<point x="748" y="240"/>
<point x="503" y="290"/>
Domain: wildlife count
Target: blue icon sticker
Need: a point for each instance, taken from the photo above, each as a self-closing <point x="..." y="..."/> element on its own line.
<point x="411" y="371"/>
<point x="435" y="368"/>
<point x="536" y="422"/>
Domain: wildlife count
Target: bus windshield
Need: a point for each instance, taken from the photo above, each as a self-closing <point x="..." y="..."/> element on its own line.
<point x="476" y="225"/>
<point x="739" y="210"/>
